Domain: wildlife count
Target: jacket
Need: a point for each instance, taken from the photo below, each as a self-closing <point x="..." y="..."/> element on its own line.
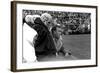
<point x="44" y="43"/>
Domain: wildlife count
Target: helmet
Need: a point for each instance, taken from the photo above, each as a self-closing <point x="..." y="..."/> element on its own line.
<point x="45" y="17"/>
<point x="31" y="18"/>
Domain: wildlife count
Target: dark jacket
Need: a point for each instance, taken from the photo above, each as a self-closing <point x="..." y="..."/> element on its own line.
<point x="44" y="43"/>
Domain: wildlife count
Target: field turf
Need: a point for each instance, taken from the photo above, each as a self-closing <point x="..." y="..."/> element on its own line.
<point x="79" y="45"/>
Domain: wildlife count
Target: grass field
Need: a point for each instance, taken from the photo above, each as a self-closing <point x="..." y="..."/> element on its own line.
<point x="80" y="45"/>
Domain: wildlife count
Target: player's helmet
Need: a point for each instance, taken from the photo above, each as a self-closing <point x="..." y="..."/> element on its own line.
<point x="46" y="18"/>
<point x="31" y="18"/>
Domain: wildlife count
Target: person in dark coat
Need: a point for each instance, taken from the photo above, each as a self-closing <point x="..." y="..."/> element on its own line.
<point x="44" y="44"/>
<point x="43" y="41"/>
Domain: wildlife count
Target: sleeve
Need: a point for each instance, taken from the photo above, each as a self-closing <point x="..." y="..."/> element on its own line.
<point x="41" y="33"/>
<point x="28" y="49"/>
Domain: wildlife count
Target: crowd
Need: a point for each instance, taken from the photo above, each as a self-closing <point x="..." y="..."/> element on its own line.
<point x="71" y="22"/>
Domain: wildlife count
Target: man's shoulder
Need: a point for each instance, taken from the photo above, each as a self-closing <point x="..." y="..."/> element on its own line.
<point x="38" y="21"/>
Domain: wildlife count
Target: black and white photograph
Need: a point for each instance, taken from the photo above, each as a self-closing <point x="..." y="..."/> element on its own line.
<point x="56" y="35"/>
<point x="48" y="36"/>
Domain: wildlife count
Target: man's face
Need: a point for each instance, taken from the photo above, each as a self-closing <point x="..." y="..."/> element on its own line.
<point x="48" y="24"/>
<point x="59" y="30"/>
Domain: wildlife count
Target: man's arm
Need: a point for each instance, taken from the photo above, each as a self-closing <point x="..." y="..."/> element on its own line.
<point x="41" y="33"/>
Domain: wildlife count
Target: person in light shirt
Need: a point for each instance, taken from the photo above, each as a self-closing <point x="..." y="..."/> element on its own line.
<point x="28" y="34"/>
<point x="42" y="42"/>
<point x="57" y="36"/>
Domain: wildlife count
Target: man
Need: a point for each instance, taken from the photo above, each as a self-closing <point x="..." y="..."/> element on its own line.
<point x="43" y="41"/>
<point x="28" y="34"/>
<point x="44" y="44"/>
<point x="56" y="32"/>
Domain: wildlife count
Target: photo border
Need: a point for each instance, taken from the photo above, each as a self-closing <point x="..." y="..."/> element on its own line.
<point x="14" y="35"/>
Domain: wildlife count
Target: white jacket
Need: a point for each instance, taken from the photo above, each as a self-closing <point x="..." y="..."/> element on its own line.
<point x="28" y="47"/>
